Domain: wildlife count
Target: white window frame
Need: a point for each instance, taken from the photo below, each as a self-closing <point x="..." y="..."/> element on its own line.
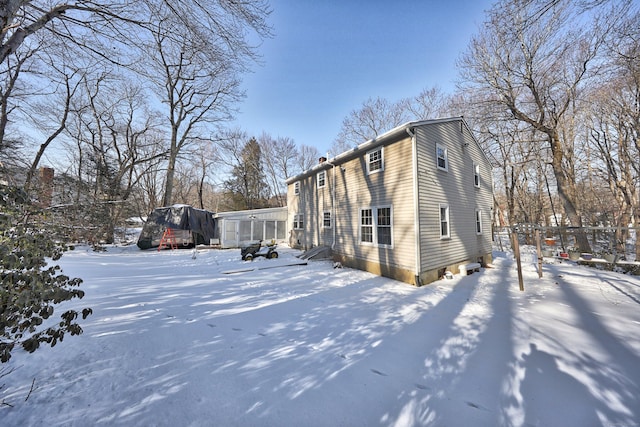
<point x="476" y="175"/>
<point x="445" y="157"/>
<point x="326" y="215"/>
<point x="446" y="220"/>
<point x="379" y="226"/>
<point x="478" y="221"/>
<point x="296" y="188"/>
<point x="374" y="226"/>
<point x="298" y="221"/>
<point x="381" y="160"/>
<point x="368" y="225"/>
<point x="321" y="179"/>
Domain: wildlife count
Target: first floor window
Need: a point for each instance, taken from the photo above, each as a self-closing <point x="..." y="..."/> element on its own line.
<point x="384" y="226"/>
<point x="376" y="226"/>
<point x="366" y="226"/>
<point x="298" y="221"/>
<point x="444" y="222"/>
<point x="326" y="219"/>
<point x="478" y="221"/>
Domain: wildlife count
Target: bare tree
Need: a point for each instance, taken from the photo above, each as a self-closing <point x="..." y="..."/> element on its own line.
<point x="307" y="157"/>
<point x="379" y="115"/>
<point x="534" y="63"/>
<point x="196" y="74"/>
<point x="279" y="156"/>
<point x="115" y="137"/>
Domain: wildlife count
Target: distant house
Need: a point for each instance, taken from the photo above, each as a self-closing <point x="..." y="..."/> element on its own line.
<point x="410" y="204"/>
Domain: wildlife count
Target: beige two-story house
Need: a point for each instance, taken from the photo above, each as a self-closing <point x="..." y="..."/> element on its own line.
<point x="410" y="204"/>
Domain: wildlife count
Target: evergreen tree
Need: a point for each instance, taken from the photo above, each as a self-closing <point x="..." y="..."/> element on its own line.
<point x="29" y="285"/>
<point x="247" y="187"/>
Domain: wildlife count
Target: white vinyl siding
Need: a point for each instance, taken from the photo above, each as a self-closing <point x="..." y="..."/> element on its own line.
<point x="356" y="190"/>
<point x="454" y="189"/>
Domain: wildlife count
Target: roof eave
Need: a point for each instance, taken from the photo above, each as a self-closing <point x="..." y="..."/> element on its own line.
<point x="367" y="145"/>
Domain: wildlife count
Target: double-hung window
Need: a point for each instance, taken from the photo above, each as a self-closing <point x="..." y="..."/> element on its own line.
<point x="296" y="188"/>
<point x="366" y="226"/>
<point x="321" y="179"/>
<point x="478" y="221"/>
<point x="298" y="221"/>
<point x="376" y="226"/>
<point x="445" y="231"/>
<point x="326" y="219"/>
<point x="375" y="160"/>
<point x="384" y="226"/>
<point x="476" y="175"/>
<point x="442" y="157"/>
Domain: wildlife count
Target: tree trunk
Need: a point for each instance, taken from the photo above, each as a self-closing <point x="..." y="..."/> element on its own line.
<point x="567" y="191"/>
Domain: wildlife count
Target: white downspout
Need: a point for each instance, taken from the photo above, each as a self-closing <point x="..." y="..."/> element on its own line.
<point x="416" y="207"/>
<point x="333" y="205"/>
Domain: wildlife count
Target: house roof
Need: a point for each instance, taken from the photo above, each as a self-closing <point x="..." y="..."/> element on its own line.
<point x="372" y="143"/>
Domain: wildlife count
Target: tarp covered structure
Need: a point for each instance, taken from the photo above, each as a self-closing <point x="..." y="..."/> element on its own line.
<point x="192" y="226"/>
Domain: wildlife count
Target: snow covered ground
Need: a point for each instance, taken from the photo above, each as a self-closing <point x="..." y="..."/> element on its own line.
<point x="175" y="342"/>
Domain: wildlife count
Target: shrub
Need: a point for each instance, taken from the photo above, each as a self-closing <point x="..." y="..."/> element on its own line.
<point x="30" y="285"/>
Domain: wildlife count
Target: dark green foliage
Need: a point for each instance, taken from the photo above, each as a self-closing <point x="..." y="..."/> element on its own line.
<point x="30" y="286"/>
<point x="247" y="187"/>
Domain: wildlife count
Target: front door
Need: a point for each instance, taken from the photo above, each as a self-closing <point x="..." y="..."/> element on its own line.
<point x="230" y="234"/>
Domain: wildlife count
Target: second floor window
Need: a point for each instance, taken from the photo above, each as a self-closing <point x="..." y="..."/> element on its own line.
<point x="296" y="188"/>
<point x="321" y="178"/>
<point x="375" y="161"/>
<point x="442" y="158"/>
<point x="476" y="175"/>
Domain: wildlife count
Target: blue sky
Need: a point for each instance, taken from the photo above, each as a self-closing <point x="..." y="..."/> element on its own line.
<point x="327" y="57"/>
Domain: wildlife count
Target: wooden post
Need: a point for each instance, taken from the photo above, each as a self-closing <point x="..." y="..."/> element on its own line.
<point x="539" y="249"/>
<point x="516" y="252"/>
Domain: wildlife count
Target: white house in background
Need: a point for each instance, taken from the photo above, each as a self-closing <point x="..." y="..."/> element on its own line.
<point x="410" y="204"/>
